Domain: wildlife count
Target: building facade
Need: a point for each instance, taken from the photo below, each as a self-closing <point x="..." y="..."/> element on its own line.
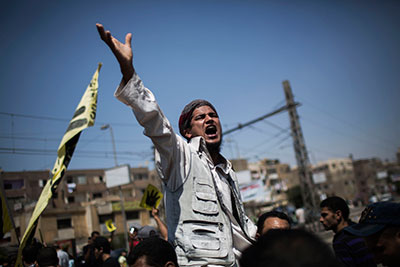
<point x="81" y="205"/>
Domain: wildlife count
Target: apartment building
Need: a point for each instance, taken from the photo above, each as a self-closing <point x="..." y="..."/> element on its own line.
<point x="335" y="177"/>
<point x="82" y="204"/>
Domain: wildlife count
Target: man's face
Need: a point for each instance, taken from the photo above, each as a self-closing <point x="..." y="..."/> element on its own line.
<point x="205" y="123"/>
<point x="97" y="252"/>
<point x="385" y="246"/>
<point x="329" y="219"/>
<point x="274" y="223"/>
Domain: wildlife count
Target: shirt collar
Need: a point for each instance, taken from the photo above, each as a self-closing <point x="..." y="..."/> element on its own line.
<point x="200" y="144"/>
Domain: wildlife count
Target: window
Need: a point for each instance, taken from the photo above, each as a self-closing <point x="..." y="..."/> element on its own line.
<point x="132" y="215"/>
<point x="97" y="179"/>
<point x="81" y="179"/>
<point x="140" y="176"/>
<point x="13" y="184"/>
<point x="104" y="218"/>
<point x="42" y="182"/>
<point x="64" y="223"/>
<point x="97" y="195"/>
<point x="70" y="179"/>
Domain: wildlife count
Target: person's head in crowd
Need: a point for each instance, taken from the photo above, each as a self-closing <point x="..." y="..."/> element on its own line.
<point x="47" y="257"/>
<point x="272" y="220"/>
<point x="153" y="252"/>
<point x="288" y="248"/>
<point x="146" y="232"/>
<point x="133" y="231"/>
<point x="334" y="213"/>
<point x="380" y="226"/>
<point x="102" y="248"/>
<point x="30" y="252"/>
<point x="94" y="235"/>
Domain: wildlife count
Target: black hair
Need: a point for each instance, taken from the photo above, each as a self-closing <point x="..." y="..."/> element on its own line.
<point x="187" y="114"/>
<point x="47" y="256"/>
<point x="30" y="252"/>
<point x="102" y="242"/>
<point x="289" y="248"/>
<point x="157" y="252"/>
<point x="273" y="213"/>
<point x="336" y="203"/>
<point x="94" y="233"/>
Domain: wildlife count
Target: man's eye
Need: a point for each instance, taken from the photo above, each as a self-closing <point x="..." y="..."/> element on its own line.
<point x="199" y="117"/>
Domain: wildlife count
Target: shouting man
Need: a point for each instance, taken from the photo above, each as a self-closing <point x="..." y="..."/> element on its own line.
<point x="205" y="215"/>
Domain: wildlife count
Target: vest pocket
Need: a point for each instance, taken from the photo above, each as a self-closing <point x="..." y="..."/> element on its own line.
<point x="204" y="198"/>
<point x="204" y="239"/>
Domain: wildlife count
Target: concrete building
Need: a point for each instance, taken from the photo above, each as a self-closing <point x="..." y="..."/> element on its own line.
<point x="335" y="177"/>
<point x="376" y="180"/>
<point x="82" y="204"/>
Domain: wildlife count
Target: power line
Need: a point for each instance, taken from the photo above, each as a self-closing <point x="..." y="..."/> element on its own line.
<point x="358" y="138"/>
<point x="61" y="119"/>
<point x="351" y="125"/>
<point x="94" y="153"/>
<point x="28" y="138"/>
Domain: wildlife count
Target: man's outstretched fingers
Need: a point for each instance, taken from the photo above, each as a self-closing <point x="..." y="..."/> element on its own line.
<point x="101" y="31"/>
<point x="128" y="39"/>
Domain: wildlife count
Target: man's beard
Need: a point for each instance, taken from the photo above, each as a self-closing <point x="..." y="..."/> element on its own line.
<point x="214" y="147"/>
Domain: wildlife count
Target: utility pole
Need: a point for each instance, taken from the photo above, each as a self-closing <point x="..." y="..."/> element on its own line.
<point x="303" y="163"/>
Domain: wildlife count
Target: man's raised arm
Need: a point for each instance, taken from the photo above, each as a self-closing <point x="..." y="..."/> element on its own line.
<point x="123" y="52"/>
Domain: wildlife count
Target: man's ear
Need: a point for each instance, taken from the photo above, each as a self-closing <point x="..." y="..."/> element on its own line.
<point x="169" y="264"/>
<point x="339" y="214"/>
<point x="188" y="133"/>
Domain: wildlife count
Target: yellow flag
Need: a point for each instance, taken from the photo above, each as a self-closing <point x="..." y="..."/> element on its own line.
<point x="5" y="221"/>
<point x="84" y="117"/>
<point x="151" y="197"/>
<point x="110" y="226"/>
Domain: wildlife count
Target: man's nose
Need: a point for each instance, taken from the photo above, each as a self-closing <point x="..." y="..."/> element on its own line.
<point x="209" y="119"/>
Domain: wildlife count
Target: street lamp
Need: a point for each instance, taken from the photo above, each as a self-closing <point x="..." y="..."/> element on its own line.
<point x="105" y="127"/>
<point x="121" y="196"/>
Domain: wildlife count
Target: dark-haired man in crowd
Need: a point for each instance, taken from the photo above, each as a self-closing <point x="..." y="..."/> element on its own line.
<point x="47" y="257"/>
<point x="88" y="251"/>
<point x="379" y="225"/>
<point x="153" y="252"/>
<point x="102" y="250"/>
<point x="30" y="253"/>
<point x="289" y="248"/>
<point x="349" y="249"/>
<point x="205" y="215"/>
<point x="272" y="220"/>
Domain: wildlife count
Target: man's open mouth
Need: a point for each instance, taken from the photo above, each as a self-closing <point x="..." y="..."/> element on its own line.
<point x="211" y="130"/>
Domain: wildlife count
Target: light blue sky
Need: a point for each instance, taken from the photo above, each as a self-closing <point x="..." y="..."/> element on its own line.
<point x="342" y="59"/>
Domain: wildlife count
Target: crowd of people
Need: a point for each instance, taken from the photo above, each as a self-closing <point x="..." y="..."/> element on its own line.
<point x="375" y="239"/>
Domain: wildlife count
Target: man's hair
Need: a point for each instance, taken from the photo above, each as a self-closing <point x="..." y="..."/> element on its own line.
<point x="47" y="256"/>
<point x="102" y="242"/>
<point x="94" y="233"/>
<point x="187" y="114"/>
<point x="156" y="250"/>
<point x="336" y="203"/>
<point x="30" y="252"/>
<point x="269" y="214"/>
<point x="289" y="248"/>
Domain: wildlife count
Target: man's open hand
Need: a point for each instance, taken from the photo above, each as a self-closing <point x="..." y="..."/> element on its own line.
<point x="123" y="52"/>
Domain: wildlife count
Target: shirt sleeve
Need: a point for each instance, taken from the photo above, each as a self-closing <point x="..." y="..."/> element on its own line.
<point x="172" y="152"/>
